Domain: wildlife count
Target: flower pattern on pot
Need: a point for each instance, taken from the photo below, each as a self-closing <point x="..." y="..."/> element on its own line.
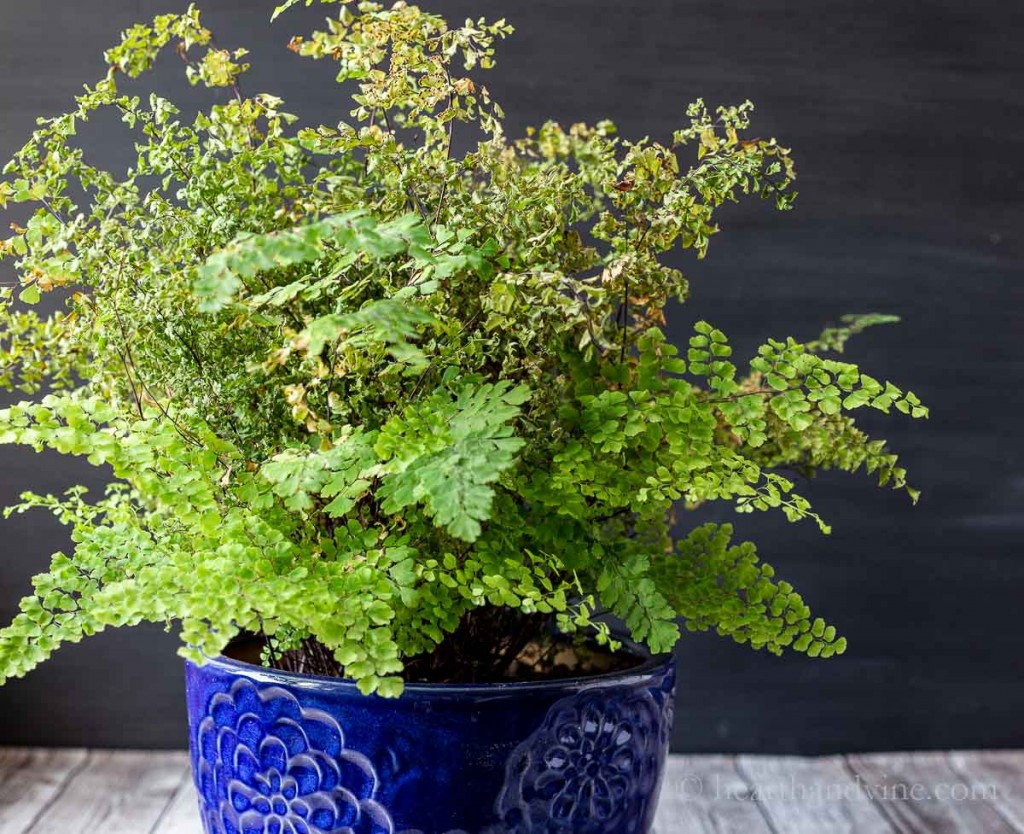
<point x="266" y="765"/>
<point x="588" y="769"/>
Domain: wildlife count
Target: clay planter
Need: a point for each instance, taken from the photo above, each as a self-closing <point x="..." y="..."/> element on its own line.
<point x="278" y="753"/>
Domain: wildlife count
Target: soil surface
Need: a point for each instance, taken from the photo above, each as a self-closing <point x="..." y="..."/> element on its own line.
<point x="551" y="658"/>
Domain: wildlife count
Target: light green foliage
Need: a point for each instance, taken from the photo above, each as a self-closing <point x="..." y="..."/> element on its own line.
<point x="835" y="338"/>
<point x="223" y="274"/>
<point x="444" y="452"/>
<point x="714" y="584"/>
<point x="352" y="385"/>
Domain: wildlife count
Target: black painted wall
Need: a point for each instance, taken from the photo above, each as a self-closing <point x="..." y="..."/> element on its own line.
<point x="907" y="118"/>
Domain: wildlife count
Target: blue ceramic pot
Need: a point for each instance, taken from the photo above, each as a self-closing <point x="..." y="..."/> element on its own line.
<point x="277" y="753"/>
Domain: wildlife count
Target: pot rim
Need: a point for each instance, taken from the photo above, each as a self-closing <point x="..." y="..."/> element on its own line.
<point x="650" y="666"/>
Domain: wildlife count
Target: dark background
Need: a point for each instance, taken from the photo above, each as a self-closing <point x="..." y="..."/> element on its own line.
<point x="907" y="120"/>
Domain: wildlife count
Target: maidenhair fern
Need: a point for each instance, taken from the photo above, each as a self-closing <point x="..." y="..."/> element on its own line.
<point x="357" y="389"/>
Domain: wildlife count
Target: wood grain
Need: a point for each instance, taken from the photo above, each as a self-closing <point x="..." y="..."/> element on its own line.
<point x="707" y="795"/>
<point x="182" y="815"/>
<point x="114" y="793"/>
<point x="999" y="774"/>
<point x="923" y="794"/>
<point x="29" y="781"/>
<point x="109" y="792"/>
<point x="812" y="796"/>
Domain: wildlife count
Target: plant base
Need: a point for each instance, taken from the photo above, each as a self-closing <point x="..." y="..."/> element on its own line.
<point x="279" y="752"/>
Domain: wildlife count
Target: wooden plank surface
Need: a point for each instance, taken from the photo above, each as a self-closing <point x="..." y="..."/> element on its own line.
<point x="707" y="795"/>
<point x="998" y="775"/>
<point x="181" y="815"/>
<point x="29" y="781"/>
<point x="114" y="793"/>
<point x="923" y="794"/>
<point x="812" y="796"/>
<point x="108" y="792"/>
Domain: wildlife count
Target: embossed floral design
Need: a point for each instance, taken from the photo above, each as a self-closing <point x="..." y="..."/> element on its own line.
<point x="266" y="765"/>
<point x="589" y="769"/>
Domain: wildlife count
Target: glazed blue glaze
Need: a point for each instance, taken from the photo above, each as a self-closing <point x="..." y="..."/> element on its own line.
<point x="277" y="753"/>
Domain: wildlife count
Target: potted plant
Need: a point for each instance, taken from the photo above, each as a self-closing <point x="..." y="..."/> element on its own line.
<point x="400" y="425"/>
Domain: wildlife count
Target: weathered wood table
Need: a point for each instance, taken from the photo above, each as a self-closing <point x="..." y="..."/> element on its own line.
<point x="107" y="792"/>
